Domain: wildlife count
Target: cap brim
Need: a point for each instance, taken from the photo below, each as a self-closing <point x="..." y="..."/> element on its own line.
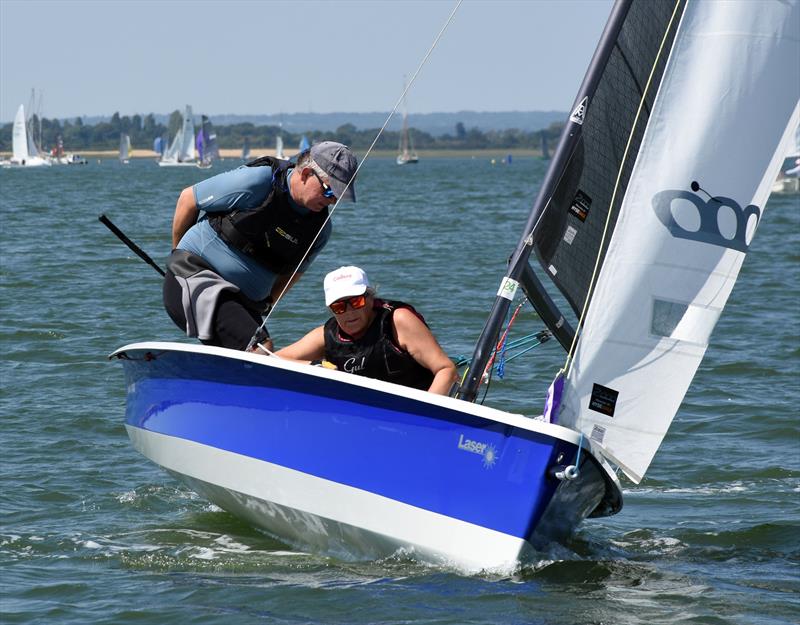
<point x="338" y="188"/>
<point x="337" y="295"/>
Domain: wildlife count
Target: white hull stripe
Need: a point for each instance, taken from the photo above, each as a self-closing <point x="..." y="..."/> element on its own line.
<point x="462" y="544"/>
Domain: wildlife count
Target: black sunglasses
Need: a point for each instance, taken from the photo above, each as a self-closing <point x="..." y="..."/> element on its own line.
<point x="326" y="189"/>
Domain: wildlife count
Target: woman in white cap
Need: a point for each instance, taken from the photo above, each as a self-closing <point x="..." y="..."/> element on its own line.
<point x="386" y="340"/>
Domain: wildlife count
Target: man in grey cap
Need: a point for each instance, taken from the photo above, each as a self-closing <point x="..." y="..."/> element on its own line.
<point x="262" y="225"/>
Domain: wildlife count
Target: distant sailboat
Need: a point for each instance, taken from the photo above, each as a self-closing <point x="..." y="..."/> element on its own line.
<point x="58" y="157"/>
<point x="24" y="150"/>
<point x="788" y="181"/>
<point x="181" y="152"/>
<point x="124" y="149"/>
<point x="279" y="148"/>
<point x="246" y="149"/>
<point x="407" y="154"/>
<point x="206" y="144"/>
<point x="304" y="144"/>
<point x="545" y="150"/>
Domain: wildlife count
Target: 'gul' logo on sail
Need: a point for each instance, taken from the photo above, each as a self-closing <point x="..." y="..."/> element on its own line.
<point x="705" y="220"/>
<point x="489" y="452"/>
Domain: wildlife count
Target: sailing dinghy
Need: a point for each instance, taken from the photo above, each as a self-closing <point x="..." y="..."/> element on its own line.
<point x="672" y="104"/>
<point x="124" y="149"/>
<point x="181" y="152"/>
<point x="407" y="155"/>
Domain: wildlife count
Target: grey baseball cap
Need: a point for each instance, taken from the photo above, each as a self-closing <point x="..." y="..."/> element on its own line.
<point x="338" y="162"/>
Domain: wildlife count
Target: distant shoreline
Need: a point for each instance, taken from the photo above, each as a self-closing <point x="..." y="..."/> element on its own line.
<point x="256" y="152"/>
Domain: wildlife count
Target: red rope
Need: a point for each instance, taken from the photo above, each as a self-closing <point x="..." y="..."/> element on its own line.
<point x="502" y="340"/>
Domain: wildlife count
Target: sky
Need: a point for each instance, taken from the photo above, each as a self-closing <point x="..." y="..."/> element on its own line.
<point x="250" y="57"/>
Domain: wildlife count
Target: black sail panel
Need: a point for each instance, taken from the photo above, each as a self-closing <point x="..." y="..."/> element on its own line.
<point x="569" y="237"/>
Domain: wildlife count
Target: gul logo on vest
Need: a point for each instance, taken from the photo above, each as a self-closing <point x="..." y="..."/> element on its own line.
<point x="286" y="235"/>
<point x="352" y="365"/>
<point x="709" y="215"/>
<point x="487" y="451"/>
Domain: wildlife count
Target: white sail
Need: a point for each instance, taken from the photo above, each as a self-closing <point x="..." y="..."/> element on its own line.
<point x="19" y="138"/>
<point x="181" y="150"/>
<point x="124" y="148"/>
<point x="406" y="155"/>
<point x="279" y="147"/>
<point x="24" y="152"/>
<point x="720" y="118"/>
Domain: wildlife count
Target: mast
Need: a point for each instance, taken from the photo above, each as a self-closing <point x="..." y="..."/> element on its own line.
<point x="404" y="131"/>
<point x="516" y="269"/>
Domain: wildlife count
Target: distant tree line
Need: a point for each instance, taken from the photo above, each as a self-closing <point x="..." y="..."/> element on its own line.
<point x="77" y="136"/>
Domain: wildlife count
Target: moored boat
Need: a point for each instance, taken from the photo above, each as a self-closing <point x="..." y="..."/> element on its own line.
<point x="25" y="152"/>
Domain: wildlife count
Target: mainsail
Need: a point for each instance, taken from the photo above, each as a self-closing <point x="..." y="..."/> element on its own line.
<point x="181" y="150"/>
<point x="650" y="204"/>
<point x="124" y="147"/>
<point x="19" y="139"/>
<point x="23" y="147"/>
<point x="279" y="147"/>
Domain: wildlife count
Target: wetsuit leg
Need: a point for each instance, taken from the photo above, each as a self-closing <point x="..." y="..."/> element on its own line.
<point x="234" y="324"/>
<point x="173" y="300"/>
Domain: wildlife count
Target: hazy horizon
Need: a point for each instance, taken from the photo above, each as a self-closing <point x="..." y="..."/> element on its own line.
<point x="91" y="59"/>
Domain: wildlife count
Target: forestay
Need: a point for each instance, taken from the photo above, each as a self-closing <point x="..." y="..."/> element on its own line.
<point x="716" y="114"/>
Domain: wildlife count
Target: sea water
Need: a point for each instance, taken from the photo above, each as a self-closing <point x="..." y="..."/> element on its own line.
<point x="92" y="532"/>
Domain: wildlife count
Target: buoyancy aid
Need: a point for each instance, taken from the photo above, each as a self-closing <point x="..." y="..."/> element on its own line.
<point x="375" y="354"/>
<point x="274" y="233"/>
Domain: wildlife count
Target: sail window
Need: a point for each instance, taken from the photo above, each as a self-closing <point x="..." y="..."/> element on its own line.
<point x="685" y="214"/>
<point x="727" y="222"/>
<point x="683" y="322"/>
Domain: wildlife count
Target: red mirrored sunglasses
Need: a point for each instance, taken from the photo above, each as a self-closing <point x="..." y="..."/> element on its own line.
<point x="356" y="302"/>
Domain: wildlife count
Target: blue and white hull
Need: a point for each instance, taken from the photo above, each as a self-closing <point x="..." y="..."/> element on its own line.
<point x="355" y="467"/>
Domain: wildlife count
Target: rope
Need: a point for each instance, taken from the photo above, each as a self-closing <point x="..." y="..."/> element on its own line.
<point x="360" y="165"/>
<point x="504" y="346"/>
<point x="502" y="340"/>
<point x="570" y="354"/>
<point x="578" y="455"/>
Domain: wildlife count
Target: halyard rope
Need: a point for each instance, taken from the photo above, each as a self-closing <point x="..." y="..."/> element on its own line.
<point x="360" y="165"/>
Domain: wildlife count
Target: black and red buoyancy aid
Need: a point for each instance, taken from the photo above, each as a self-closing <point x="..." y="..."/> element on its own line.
<point x="376" y="355"/>
<point x="274" y="233"/>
